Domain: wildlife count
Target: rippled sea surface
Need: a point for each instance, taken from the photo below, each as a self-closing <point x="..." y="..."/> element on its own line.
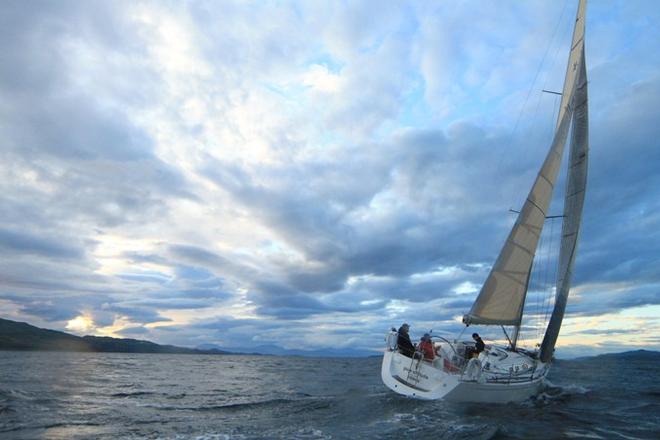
<point x="113" y="395"/>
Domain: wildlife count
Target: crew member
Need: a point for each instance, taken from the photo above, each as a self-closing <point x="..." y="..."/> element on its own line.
<point x="479" y="345"/>
<point x="403" y="342"/>
<point x="426" y="347"/>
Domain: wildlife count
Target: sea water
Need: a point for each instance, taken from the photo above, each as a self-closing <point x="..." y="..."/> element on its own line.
<point x="125" y="396"/>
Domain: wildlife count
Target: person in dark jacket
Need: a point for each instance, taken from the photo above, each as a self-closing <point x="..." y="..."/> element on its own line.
<point x="479" y="345"/>
<point x="403" y="342"/>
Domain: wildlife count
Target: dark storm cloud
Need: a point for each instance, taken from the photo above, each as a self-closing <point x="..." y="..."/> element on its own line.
<point x="432" y="229"/>
<point x="605" y="332"/>
<point x="143" y="315"/>
<point x="134" y="331"/>
<point x="320" y="222"/>
<point x="325" y="279"/>
<point x="600" y="299"/>
<point x="284" y="302"/>
<point x="50" y="311"/>
<point x="21" y="242"/>
<point x="356" y="335"/>
<point x="43" y="275"/>
<point x="61" y="306"/>
<point x="197" y="255"/>
<point x="177" y="304"/>
<point x="75" y="129"/>
<point x="226" y="324"/>
<point x="140" y="257"/>
<point x="620" y="240"/>
<point x="145" y="278"/>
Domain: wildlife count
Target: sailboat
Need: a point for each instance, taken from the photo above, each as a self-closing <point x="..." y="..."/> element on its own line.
<point x="508" y="373"/>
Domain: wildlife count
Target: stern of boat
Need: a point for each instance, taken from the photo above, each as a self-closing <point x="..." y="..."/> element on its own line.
<point x="415" y="378"/>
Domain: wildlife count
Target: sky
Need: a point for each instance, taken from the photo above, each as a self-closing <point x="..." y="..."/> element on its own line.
<point x="309" y="174"/>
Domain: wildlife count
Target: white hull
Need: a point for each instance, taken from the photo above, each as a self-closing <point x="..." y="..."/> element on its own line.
<point x="421" y="379"/>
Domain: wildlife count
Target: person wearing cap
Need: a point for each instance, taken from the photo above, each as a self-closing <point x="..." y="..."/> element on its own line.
<point x="403" y="342"/>
<point x="426" y="347"/>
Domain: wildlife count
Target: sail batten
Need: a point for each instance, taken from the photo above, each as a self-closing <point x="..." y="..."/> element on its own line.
<point x="501" y="299"/>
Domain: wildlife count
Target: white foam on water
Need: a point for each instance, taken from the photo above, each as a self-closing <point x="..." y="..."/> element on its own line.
<point x="575" y="389"/>
<point x="555" y="392"/>
<point x="310" y="434"/>
<point x="404" y="417"/>
<point x="615" y="434"/>
<point x="570" y="433"/>
<point x="214" y="436"/>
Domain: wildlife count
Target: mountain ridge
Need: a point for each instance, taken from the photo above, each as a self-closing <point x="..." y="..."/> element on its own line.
<point x="639" y="354"/>
<point x="21" y="336"/>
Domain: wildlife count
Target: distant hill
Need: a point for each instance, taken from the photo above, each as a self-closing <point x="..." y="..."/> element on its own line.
<point x="22" y="336"/>
<point x="631" y="355"/>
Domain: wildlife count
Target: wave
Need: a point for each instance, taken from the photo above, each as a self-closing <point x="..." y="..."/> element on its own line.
<point x="229" y="406"/>
<point x="4" y="409"/>
<point x="299" y="434"/>
<point x="133" y="394"/>
<point x="571" y="388"/>
<point x="50" y="426"/>
<point x="582" y="434"/>
<point x="15" y="394"/>
<point x="308" y="434"/>
<point x="554" y="393"/>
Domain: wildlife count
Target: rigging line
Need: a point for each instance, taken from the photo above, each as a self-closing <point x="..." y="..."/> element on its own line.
<point x="555" y="108"/>
<point x="554" y="57"/>
<point x="547" y="289"/>
<point x="556" y="265"/>
<point x="550" y="68"/>
<point x="550" y="290"/>
<point x="547" y="260"/>
<point x="529" y="92"/>
<point x="537" y="298"/>
<point x="533" y="279"/>
<point x="498" y="166"/>
<point x="545" y="292"/>
<point x="543" y="285"/>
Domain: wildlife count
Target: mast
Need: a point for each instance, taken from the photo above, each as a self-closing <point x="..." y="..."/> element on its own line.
<point x="502" y="297"/>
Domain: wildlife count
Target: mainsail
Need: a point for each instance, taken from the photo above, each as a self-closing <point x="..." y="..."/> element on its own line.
<point x="573" y="203"/>
<point x="502" y="297"/>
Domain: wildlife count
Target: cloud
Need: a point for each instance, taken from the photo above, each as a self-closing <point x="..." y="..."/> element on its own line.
<point x="308" y="174"/>
<point x="18" y="242"/>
